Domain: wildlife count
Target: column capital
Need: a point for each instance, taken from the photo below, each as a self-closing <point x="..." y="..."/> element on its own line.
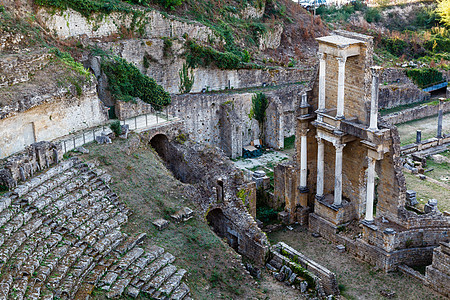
<point x="376" y="70"/>
<point x="303" y="131"/>
<point x="341" y="59"/>
<point x="339" y="146"/>
<point x="321" y="55"/>
<point x="319" y="139"/>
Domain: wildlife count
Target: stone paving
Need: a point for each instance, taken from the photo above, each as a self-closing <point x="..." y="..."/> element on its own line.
<point x="60" y="238"/>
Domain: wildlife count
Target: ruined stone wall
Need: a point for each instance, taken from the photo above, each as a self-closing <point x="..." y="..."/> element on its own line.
<point x="415" y="113"/>
<point x="438" y="274"/>
<point x="216" y="183"/>
<point x="59" y="115"/>
<point x="215" y="118"/>
<point x="24" y="165"/>
<point x="164" y="66"/>
<point x="392" y="185"/>
<point x="70" y="23"/>
<point x="397" y="89"/>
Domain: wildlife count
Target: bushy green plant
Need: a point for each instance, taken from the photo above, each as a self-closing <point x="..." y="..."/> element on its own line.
<point x="116" y="128"/>
<point x="395" y="46"/>
<point x="126" y="82"/>
<point x="424" y="77"/>
<point x="266" y="214"/>
<point x="438" y="43"/>
<point x="203" y="56"/>
<point x="372" y="15"/>
<point x="68" y="60"/>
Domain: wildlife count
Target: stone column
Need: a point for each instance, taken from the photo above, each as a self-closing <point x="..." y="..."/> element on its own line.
<point x="322" y="70"/>
<point x="303" y="159"/>
<point x="370" y="189"/>
<point x="440" y="115"/>
<point x="341" y="85"/>
<point x="376" y="71"/>
<point x="320" y="168"/>
<point x="338" y="175"/>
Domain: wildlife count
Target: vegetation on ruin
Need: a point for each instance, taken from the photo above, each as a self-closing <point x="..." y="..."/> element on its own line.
<point x="116" y="128"/>
<point x="126" y="83"/>
<point x="424" y="77"/>
<point x="258" y="111"/>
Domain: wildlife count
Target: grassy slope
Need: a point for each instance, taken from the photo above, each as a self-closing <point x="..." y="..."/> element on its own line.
<point x="151" y="192"/>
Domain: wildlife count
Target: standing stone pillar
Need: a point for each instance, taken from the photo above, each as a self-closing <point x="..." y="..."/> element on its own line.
<point x="304" y="101"/>
<point x="338" y="175"/>
<point x="370" y="189"/>
<point x="320" y="168"/>
<point x="440" y="115"/>
<point x="418" y="136"/>
<point x="341" y="85"/>
<point x="303" y="188"/>
<point x="322" y="70"/>
<point x="376" y="71"/>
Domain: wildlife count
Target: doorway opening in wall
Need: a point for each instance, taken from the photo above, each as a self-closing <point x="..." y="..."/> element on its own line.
<point x="112" y="112"/>
<point x="265" y="213"/>
<point x="221" y="225"/>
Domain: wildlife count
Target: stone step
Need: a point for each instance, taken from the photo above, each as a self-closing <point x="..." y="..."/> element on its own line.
<point x="130" y="243"/>
<point x="156" y="282"/>
<point x="170" y="285"/>
<point x="148" y="273"/>
<point x="180" y="292"/>
<point x="5" y="202"/>
<point x="127" y="260"/>
<point x="118" y="288"/>
<point x="27" y="186"/>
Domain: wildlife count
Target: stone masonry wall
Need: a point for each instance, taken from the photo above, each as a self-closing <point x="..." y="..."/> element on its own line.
<point x="438" y="274"/>
<point x="164" y="66"/>
<point x="153" y="24"/>
<point x="415" y="113"/>
<point x="209" y="119"/>
<point x="397" y="89"/>
<point x="24" y="165"/>
<point x="60" y="115"/>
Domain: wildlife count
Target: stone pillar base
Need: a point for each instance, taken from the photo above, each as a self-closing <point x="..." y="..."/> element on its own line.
<point x="303" y="197"/>
<point x="302" y="215"/>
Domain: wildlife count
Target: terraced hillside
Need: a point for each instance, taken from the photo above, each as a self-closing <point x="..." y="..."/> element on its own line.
<point x="61" y="237"/>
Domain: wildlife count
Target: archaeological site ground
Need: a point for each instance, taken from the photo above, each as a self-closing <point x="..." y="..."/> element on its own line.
<point x="224" y="149"/>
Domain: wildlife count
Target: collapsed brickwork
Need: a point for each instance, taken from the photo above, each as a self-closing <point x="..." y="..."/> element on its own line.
<point x="347" y="165"/>
<point x="216" y="185"/>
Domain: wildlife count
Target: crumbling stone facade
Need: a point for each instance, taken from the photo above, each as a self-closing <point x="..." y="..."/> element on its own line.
<point x="348" y="164"/>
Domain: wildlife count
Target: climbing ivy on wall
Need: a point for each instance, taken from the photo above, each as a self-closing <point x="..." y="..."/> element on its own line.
<point x="126" y="82"/>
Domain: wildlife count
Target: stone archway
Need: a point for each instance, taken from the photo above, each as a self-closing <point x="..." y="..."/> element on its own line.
<point x="160" y="143"/>
<point x="222" y="226"/>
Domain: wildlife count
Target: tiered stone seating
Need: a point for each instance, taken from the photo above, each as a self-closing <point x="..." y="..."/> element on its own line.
<point x="60" y="238"/>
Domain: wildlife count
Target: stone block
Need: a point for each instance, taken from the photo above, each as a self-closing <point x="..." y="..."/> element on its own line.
<point x="161" y="224"/>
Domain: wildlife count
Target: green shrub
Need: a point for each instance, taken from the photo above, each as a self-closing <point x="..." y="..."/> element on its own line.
<point x="395" y="46"/>
<point x="266" y="214"/>
<point x="438" y="44"/>
<point x="204" y="56"/>
<point x="126" y="82"/>
<point x="68" y="60"/>
<point x="116" y="128"/>
<point x="372" y="15"/>
<point x="424" y="77"/>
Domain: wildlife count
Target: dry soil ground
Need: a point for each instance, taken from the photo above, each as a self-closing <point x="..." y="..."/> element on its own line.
<point x="356" y="279"/>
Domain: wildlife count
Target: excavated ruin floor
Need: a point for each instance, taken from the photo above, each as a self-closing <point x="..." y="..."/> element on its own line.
<point x="356" y="279"/>
<point x="407" y="131"/>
